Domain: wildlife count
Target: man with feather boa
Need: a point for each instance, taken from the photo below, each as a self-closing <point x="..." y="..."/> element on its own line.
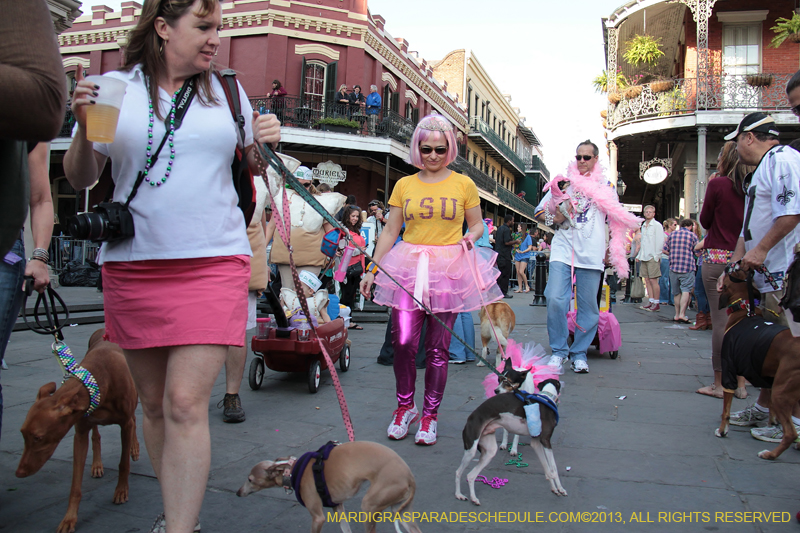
<point x="583" y="208"/>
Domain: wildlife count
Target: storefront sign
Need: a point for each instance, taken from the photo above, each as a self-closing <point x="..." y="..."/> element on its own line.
<point x="330" y="173"/>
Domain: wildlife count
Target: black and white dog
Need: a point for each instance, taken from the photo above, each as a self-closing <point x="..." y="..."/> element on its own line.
<point x="507" y="411"/>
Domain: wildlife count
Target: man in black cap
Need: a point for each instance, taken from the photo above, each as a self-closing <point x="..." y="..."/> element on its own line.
<point x="769" y="233"/>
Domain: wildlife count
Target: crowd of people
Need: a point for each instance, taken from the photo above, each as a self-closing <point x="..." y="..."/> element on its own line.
<point x="180" y="293"/>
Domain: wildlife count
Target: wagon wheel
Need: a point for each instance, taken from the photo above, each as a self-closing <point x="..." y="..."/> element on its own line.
<point x="256" y="373"/>
<point x="314" y="374"/>
<point x="614" y="354"/>
<point x="344" y="359"/>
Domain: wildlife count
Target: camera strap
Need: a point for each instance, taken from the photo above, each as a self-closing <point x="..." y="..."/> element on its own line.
<point x="183" y="99"/>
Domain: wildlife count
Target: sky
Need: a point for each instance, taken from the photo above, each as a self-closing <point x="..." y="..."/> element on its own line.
<point x="543" y="53"/>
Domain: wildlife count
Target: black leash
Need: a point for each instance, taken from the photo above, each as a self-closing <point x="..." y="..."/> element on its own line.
<point x="47" y="299"/>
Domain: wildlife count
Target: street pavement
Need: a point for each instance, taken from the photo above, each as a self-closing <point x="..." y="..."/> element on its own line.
<point x="648" y="462"/>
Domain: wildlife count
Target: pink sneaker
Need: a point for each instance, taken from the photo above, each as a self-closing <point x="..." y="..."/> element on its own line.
<point x="401" y="419"/>
<point x="426" y="434"/>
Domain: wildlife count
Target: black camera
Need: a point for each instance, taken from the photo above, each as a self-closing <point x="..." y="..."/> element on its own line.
<point x="110" y="222"/>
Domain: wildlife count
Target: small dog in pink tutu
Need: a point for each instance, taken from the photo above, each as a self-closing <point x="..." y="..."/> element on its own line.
<point x="513" y="407"/>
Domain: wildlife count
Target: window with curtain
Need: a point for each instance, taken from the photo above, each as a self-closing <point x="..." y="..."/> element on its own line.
<point x="741" y="55"/>
<point x="314" y="84"/>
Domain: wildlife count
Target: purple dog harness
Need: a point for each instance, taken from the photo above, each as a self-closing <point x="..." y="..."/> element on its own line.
<point x="318" y="469"/>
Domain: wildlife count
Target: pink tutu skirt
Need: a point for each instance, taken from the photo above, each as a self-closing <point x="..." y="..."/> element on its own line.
<point x="444" y="278"/>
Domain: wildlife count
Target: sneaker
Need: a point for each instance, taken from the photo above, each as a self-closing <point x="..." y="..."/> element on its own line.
<point x="646" y="307"/>
<point x="556" y="360"/>
<point x="457" y="361"/>
<point x="772" y="433"/>
<point x="580" y="367"/>
<point x="232" y="408"/>
<point x="426" y="434"/>
<point x="655" y="307"/>
<point x="160" y="525"/>
<point x="749" y="416"/>
<point x="401" y="419"/>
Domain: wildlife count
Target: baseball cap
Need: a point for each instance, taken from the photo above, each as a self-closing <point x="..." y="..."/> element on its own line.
<point x="303" y="173"/>
<point x="755" y="122"/>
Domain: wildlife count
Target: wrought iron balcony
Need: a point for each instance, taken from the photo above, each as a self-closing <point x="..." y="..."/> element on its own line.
<point x="685" y="96"/>
<point x="307" y="112"/>
<point x="537" y="165"/>
<point x="485" y="137"/>
<point x="483" y="181"/>
<point x="69" y="122"/>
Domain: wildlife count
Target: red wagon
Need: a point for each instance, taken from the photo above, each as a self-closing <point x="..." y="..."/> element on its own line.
<point x="281" y="351"/>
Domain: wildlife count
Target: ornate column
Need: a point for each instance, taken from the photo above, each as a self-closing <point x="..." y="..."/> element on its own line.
<point x="700" y="191"/>
<point x="701" y="12"/>
<point x="613" y="174"/>
<point x="611" y="71"/>
<point x="689" y="185"/>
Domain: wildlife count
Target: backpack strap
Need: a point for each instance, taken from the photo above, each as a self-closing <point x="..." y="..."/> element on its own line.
<point x="230" y="87"/>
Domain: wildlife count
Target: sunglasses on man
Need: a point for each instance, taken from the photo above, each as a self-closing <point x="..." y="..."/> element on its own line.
<point x="584" y="157"/>
<point x="440" y="150"/>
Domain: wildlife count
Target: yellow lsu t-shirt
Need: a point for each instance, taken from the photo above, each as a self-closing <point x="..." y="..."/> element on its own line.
<point x="434" y="212"/>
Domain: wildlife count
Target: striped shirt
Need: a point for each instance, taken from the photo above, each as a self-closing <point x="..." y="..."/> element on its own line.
<point x="680" y="247"/>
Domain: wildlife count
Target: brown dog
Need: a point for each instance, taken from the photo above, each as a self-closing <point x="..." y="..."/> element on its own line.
<point x="55" y="411"/>
<point x="349" y="465"/>
<point x="780" y="368"/>
<point x="504" y="320"/>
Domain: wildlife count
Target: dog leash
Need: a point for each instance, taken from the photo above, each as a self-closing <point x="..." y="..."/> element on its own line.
<point x="70" y="368"/>
<point x="266" y="155"/>
<point x="283" y="224"/>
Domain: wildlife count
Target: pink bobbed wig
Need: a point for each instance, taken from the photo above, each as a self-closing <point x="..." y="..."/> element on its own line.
<point x="425" y="131"/>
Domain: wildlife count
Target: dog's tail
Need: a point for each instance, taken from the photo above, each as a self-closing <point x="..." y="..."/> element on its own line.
<point x="405" y="507"/>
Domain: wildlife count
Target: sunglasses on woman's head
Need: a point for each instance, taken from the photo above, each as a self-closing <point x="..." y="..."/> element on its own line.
<point x="584" y="157"/>
<point x="440" y="150"/>
<point x="307" y="185"/>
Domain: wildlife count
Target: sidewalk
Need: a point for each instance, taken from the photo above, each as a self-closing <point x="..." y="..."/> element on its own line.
<point x="652" y="452"/>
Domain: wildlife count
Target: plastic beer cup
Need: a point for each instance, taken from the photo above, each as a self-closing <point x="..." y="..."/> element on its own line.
<point x="102" y="117"/>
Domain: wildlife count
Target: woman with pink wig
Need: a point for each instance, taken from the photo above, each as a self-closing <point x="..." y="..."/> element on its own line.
<point x="444" y="271"/>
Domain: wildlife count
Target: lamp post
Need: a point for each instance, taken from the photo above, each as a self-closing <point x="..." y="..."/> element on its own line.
<point x="621" y="187"/>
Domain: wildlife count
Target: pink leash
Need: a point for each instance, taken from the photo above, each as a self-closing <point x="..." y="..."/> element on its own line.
<point x="282" y="223"/>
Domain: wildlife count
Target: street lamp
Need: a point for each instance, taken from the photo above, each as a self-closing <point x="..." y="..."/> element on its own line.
<point x="621" y="187"/>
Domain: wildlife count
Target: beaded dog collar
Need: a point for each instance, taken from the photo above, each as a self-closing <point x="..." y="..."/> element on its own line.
<point x="73" y="370"/>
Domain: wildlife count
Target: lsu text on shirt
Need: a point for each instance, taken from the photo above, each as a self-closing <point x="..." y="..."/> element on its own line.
<point x="772" y="193"/>
<point x="434" y="212"/>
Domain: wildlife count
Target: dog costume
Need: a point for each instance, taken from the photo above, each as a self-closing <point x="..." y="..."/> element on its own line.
<point x="744" y="349"/>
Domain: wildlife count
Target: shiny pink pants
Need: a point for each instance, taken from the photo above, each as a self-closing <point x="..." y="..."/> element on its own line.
<point x="406" y="328"/>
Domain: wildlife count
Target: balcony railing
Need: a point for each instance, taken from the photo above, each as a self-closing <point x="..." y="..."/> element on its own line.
<point x="517" y="203"/>
<point x="477" y="125"/>
<point x="305" y="113"/>
<point x="537" y="165"/>
<point x="296" y="112"/>
<point x="724" y="92"/>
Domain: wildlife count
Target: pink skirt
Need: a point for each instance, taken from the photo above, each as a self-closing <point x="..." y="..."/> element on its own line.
<point x="176" y="302"/>
<point x="444" y="278"/>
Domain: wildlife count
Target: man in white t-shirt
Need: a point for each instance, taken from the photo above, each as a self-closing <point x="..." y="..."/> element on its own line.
<point x="582" y="246"/>
<point x="649" y="256"/>
<point x="769" y="233"/>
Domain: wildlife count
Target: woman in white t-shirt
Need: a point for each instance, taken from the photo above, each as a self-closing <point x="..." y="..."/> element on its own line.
<point x="175" y="293"/>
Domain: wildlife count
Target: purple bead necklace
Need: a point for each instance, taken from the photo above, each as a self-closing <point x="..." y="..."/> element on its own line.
<point x="158" y="182"/>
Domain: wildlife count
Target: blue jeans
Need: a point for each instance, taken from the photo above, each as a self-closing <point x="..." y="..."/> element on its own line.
<point x="11" y="277"/>
<point x="558" y="293"/>
<point x="663" y="282"/>
<point x="464" y="328"/>
<point x="700" y="291"/>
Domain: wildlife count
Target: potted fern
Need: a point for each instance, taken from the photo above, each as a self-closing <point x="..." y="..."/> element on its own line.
<point x="600" y="83"/>
<point x="338" y="125"/>
<point x="643" y="50"/>
<point x="786" y="29"/>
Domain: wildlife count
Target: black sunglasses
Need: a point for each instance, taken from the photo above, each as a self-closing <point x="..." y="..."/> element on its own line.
<point x="796" y="110"/>
<point x="440" y="150"/>
<point x="307" y="185"/>
<point x="584" y="157"/>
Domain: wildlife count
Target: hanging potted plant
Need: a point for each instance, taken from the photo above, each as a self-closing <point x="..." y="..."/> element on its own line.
<point x="604" y="113"/>
<point x="643" y="50"/>
<point x="614" y="97"/>
<point x="759" y="80"/>
<point x="786" y="29"/>
<point x="662" y="86"/>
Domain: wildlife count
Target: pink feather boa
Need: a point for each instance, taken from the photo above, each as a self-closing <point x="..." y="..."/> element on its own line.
<point x="595" y="186"/>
